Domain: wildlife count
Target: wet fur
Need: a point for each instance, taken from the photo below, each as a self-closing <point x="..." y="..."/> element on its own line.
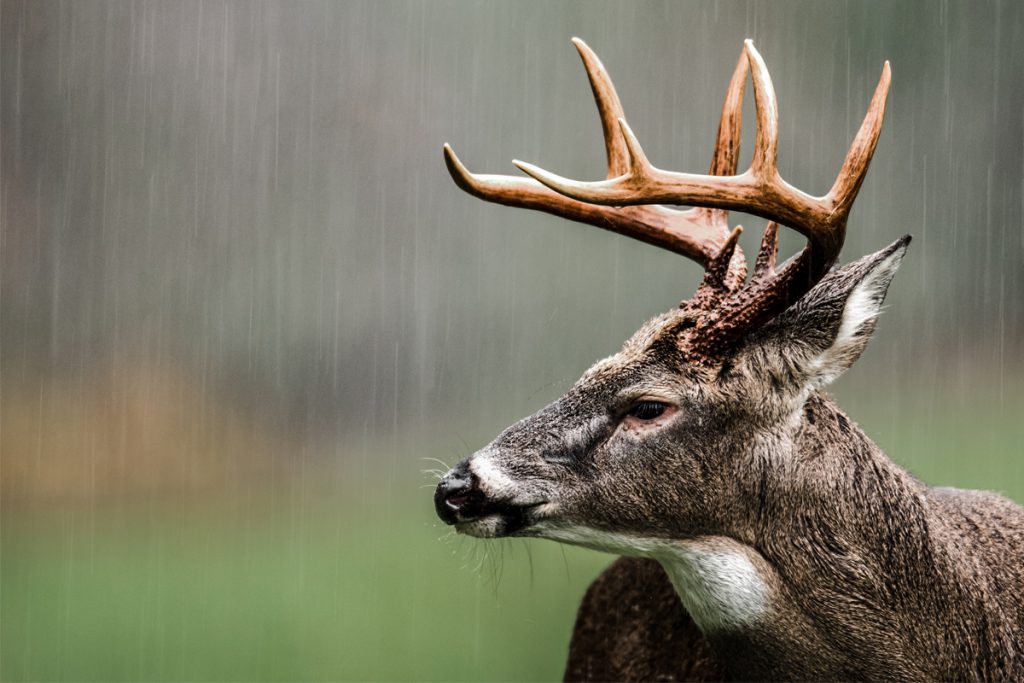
<point x="867" y="573"/>
<point x="882" y="576"/>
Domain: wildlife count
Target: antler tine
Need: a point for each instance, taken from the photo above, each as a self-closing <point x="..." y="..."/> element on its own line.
<point x="609" y="108"/>
<point x="718" y="276"/>
<point x="624" y="189"/>
<point x="855" y="167"/>
<point x="766" y="144"/>
<point x="727" y="143"/>
<point x="764" y="266"/>
<point x="504" y="189"/>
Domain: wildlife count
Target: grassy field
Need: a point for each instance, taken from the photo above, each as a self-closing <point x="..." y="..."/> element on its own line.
<point x="261" y="589"/>
<point x="296" y="581"/>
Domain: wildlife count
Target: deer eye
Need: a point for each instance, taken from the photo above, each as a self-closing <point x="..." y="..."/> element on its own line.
<point x="648" y="410"/>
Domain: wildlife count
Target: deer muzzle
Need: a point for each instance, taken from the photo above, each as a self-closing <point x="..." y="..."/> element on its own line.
<point x="475" y="508"/>
<point x="458" y="497"/>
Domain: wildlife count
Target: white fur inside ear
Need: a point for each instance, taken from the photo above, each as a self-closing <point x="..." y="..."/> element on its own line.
<point x="862" y="307"/>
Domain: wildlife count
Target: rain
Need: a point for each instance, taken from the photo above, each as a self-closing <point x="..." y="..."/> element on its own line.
<point x="247" y="316"/>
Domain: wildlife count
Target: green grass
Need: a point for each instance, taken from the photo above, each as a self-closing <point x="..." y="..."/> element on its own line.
<point x="302" y="582"/>
<point x="264" y="590"/>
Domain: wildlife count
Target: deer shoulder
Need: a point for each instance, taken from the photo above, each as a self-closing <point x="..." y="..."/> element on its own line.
<point x="632" y="627"/>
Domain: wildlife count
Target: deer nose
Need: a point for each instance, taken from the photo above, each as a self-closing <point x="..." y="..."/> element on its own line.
<point x="458" y="497"/>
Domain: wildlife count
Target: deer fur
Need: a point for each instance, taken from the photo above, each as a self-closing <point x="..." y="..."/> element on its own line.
<point x="795" y="546"/>
<point x="765" y="537"/>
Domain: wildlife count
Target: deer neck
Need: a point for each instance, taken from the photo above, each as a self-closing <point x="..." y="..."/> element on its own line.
<point x="845" y="527"/>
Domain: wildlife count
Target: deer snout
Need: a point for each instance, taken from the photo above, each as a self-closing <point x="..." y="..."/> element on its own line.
<point x="458" y="497"/>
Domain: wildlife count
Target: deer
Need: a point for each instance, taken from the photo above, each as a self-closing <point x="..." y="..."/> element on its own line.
<point x="762" y="535"/>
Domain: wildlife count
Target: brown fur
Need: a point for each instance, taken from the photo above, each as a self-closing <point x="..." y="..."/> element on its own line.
<point x="798" y="547"/>
<point x="632" y="627"/>
<point x="921" y="589"/>
<point x="792" y="547"/>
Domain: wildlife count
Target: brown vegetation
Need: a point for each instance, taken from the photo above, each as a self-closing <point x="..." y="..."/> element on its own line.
<point x="135" y="430"/>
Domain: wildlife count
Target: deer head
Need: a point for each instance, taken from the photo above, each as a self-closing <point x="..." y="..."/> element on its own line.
<point x="656" y="442"/>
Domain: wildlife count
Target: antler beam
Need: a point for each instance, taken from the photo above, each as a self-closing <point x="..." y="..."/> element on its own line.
<point x="629" y="202"/>
<point x="697" y="233"/>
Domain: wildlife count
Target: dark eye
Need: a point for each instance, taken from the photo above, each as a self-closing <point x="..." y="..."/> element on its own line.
<point x="648" y="410"/>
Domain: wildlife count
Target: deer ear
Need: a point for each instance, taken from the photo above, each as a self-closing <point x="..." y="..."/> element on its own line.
<point x="825" y="332"/>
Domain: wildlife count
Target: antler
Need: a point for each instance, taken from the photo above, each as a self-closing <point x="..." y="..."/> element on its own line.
<point x="725" y="309"/>
<point x="698" y="233"/>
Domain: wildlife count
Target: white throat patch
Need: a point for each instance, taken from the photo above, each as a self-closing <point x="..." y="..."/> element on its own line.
<point x="720" y="587"/>
<point x="717" y="579"/>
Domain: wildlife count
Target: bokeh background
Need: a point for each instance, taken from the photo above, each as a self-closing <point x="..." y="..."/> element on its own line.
<point x="245" y="310"/>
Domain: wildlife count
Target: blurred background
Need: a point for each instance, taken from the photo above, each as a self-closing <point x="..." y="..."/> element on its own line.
<point x="245" y="310"/>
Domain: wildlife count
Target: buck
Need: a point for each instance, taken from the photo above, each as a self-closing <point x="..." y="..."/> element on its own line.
<point x="765" y="536"/>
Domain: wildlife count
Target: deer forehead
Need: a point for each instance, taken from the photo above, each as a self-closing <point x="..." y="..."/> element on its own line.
<point x="637" y="348"/>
